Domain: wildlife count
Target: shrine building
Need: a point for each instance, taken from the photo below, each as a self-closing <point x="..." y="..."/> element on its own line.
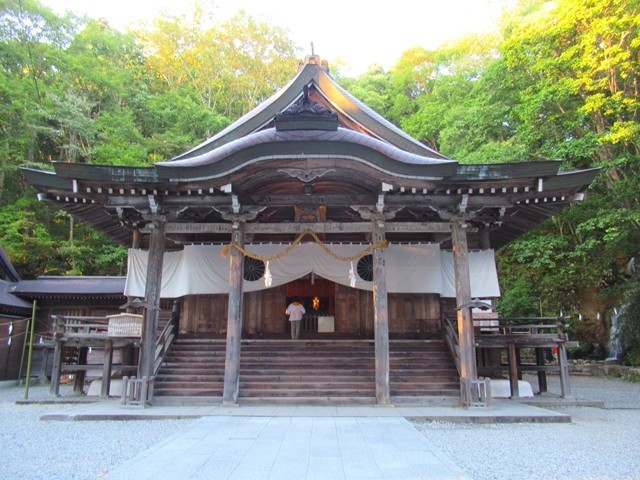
<point x="312" y="195"/>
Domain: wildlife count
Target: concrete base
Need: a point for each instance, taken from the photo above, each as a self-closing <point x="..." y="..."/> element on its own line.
<point x="500" y="411"/>
<point x="502" y="388"/>
<point x="115" y="390"/>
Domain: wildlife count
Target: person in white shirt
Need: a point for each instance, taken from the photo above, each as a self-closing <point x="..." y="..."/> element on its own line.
<point x="295" y="311"/>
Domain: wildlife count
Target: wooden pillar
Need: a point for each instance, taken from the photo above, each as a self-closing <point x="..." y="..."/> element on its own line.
<point x="106" y="369"/>
<point x="152" y="299"/>
<point x="542" y="375"/>
<point x="513" y="370"/>
<point x="234" y="319"/>
<point x="81" y="374"/>
<point x="563" y="363"/>
<point x="54" y="388"/>
<point x="136" y="239"/>
<point x="381" y="316"/>
<point x="485" y="239"/>
<point x="468" y="368"/>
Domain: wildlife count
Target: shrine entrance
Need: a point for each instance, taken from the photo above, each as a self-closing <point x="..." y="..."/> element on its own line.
<point x="317" y="295"/>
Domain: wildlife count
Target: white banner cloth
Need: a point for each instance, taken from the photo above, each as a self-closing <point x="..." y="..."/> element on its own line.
<point x="201" y="269"/>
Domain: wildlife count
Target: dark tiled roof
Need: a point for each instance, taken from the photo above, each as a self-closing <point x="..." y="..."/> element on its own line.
<point x="70" y="286"/>
<point x="9" y="303"/>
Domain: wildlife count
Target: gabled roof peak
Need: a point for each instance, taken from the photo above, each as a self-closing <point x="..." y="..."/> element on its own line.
<point x="313" y="73"/>
<point x="306" y="114"/>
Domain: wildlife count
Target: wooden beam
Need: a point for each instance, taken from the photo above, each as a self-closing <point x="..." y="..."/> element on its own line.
<point x="173" y="228"/>
<point x="234" y="320"/>
<point x="542" y="374"/>
<point x="286" y="200"/>
<point x="418" y="227"/>
<point x="563" y="363"/>
<point x="381" y="317"/>
<point x="181" y="201"/>
<point x="318" y="227"/>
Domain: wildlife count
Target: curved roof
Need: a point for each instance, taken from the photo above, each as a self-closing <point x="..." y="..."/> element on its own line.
<point x="295" y="144"/>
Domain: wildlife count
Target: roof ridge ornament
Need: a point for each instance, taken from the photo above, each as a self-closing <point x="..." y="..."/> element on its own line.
<point x="305" y="114"/>
<point x="314" y="59"/>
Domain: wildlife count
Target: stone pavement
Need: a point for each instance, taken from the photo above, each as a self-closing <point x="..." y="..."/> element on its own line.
<point x="279" y="442"/>
<point x="280" y="448"/>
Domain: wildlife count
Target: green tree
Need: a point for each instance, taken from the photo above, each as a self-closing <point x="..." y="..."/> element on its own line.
<point x="31" y="39"/>
<point x="232" y="66"/>
<point x="575" y="66"/>
<point x="373" y="88"/>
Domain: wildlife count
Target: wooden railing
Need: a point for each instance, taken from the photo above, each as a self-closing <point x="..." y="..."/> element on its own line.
<point x="450" y="333"/>
<point x="165" y="339"/>
<point x="512" y="335"/>
<point x="533" y="325"/>
<point x="94" y="331"/>
<point x="81" y="328"/>
<point x="139" y="391"/>
<point x="538" y="333"/>
<point x="82" y="333"/>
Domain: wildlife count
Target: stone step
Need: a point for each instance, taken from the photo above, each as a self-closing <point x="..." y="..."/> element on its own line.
<point x="286" y="371"/>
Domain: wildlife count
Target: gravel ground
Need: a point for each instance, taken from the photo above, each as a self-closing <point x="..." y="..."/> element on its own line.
<point x="32" y="449"/>
<point x="600" y="444"/>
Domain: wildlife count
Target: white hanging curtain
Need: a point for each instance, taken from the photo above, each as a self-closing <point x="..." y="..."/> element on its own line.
<point x="201" y="269"/>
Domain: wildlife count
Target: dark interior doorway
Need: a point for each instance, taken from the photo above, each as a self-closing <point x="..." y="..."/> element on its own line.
<point x="318" y="297"/>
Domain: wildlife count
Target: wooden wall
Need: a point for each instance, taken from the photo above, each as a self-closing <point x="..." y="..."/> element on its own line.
<point x="414" y="314"/>
<point x="263" y="313"/>
<point x="206" y="314"/>
<point x="410" y="315"/>
<point x="11" y="353"/>
<point x="354" y="312"/>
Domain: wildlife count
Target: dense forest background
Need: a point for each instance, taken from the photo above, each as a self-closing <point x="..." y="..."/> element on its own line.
<point x="559" y="80"/>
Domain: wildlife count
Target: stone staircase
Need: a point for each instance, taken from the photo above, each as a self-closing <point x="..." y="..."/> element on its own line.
<point x="307" y="372"/>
